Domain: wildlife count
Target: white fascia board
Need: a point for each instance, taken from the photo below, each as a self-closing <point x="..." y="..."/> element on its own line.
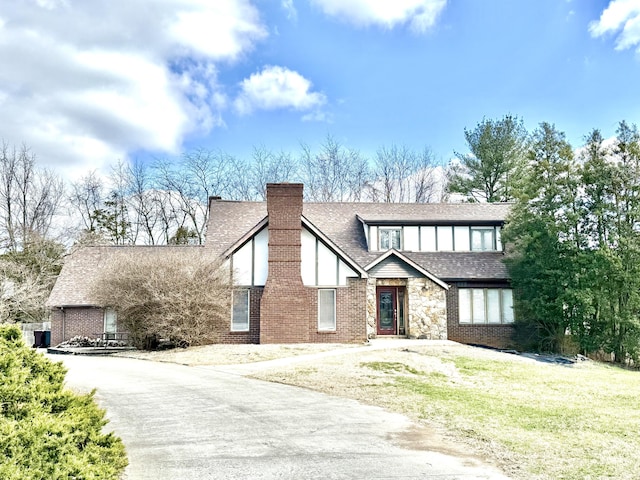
<point x="245" y="238"/>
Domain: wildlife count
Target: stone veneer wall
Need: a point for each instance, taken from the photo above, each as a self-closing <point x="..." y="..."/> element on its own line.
<point x="425" y="307"/>
<point x="371" y="313"/>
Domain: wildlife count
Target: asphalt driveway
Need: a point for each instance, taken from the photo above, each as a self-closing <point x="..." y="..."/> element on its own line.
<point x="190" y="423"/>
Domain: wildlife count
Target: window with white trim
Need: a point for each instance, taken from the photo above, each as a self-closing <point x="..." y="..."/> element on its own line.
<point x="110" y="324"/>
<point x="444" y="235"/>
<point x="327" y="309"/>
<point x="110" y="321"/>
<point x="485" y="305"/>
<point x="390" y="238"/>
<point x="483" y="239"/>
<point x="428" y="239"/>
<point x="240" y="311"/>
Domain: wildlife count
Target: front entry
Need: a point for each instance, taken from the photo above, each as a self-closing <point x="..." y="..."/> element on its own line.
<point x="390" y="303"/>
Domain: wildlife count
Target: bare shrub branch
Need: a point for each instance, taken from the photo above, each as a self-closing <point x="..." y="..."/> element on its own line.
<point x="175" y="294"/>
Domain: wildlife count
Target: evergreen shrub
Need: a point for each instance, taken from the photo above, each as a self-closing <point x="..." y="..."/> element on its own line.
<point x="46" y="430"/>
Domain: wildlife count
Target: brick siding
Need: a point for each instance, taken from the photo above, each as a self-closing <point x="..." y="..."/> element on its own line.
<point x="285" y="310"/>
<point x="491" y="335"/>
<point x="71" y="322"/>
<point x="253" y="335"/>
<point x="350" y="314"/>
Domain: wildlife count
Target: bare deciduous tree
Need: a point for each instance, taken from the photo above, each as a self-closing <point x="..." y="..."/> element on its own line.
<point x="170" y="217"/>
<point x="335" y="173"/>
<point x="85" y="198"/>
<point x="141" y="196"/>
<point x="22" y="294"/>
<point x="428" y="181"/>
<point x="26" y="279"/>
<point x="269" y="167"/>
<point x="199" y="175"/>
<point x="29" y="198"/>
<point x="403" y="175"/>
<point x="240" y="180"/>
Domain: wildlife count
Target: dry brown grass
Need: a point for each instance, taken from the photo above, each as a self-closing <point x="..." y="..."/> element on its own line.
<point x="230" y="354"/>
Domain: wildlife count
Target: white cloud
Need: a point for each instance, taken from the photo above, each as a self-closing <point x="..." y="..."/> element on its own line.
<point x="277" y="87"/>
<point x="318" y="116"/>
<point x="621" y="17"/>
<point x="289" y="7"/>
<point x="420" y="15"/>
<point x="216" y="29"/>
<point x="84" y="83"/>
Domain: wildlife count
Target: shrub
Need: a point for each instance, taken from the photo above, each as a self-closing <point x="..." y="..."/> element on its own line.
<point x="179" y="297"/>
<point x="47" y="431"/>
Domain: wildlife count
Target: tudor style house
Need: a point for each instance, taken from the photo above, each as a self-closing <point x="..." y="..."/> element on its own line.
<point x="337" y="272"/>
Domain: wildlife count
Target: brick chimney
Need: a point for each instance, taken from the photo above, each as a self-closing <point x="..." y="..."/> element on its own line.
<point x="285" y="304"/>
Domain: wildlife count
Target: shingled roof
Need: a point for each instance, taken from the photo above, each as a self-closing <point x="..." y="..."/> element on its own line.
<point x="229" y="221"/>
<point x="81" y="268"/>
<point x="342" y="223"/>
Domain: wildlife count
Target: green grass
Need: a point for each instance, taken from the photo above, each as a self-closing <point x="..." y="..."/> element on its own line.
<point x="557" y="422"/>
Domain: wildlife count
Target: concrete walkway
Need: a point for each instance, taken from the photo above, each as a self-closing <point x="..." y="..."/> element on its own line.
<point x="192" y="423"/>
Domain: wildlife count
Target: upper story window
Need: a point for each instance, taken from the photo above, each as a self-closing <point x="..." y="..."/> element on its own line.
<point x="483" y="239"/>
<point x="435" y="238"/>
<point x="390" y="238"/>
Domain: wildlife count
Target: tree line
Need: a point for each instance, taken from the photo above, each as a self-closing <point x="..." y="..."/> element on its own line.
<point x="166" y="201"/>
<point x="573" y="235"/>
<point x="574" y="239"/>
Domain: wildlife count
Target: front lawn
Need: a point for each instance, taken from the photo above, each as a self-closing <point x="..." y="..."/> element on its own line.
<point x="535" y="420"/>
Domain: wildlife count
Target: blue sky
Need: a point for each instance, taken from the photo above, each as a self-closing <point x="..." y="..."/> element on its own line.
<point x="92" y="82"/>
